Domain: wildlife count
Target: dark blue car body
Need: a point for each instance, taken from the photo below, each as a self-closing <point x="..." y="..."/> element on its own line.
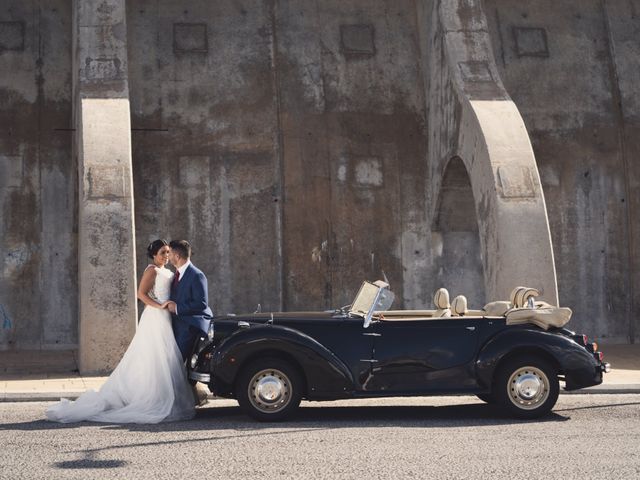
<point x="337" y="357"/>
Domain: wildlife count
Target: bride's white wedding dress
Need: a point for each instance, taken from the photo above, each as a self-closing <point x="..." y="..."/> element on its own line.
<point x="149" y="385"/>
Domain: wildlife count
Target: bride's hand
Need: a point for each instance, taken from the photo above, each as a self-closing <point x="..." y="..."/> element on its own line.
<point x="169" y="305"/>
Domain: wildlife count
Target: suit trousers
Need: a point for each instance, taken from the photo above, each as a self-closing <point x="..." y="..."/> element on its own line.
<point x="186" y="336"/>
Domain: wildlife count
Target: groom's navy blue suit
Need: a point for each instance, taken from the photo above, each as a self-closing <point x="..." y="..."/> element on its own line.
<point x="191" y="298"/>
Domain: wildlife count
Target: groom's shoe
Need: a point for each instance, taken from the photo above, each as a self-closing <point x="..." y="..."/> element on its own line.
<point x="200" y="394"/>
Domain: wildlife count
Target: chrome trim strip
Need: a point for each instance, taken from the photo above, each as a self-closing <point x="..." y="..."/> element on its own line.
<point x="201" y="377"/>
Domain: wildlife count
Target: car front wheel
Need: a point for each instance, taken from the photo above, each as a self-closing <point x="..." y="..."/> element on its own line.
<point x="269" y="389"/>
<point x="527" y="387"/>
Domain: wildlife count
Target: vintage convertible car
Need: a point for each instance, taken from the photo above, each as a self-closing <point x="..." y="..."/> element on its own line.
<point x="511" y="353"/>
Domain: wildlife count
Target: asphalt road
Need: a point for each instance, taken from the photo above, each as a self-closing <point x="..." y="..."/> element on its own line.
<point x="587" y="436"/>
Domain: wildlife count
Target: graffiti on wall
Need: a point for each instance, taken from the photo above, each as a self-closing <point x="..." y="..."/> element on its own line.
<point x="6" y="320"/>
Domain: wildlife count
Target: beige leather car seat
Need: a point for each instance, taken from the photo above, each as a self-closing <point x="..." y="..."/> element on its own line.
<point x="497" y="308"/>
<point x="441" y="302"/>
<point x="541" y="314"/>
<point x="459" y="306"/>
<point x="517" y="299"/>
<point x="523" y="295"/>
<point x="514" y="297"/>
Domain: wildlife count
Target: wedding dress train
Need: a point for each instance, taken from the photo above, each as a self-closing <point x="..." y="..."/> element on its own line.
<point x="149" y="385"/>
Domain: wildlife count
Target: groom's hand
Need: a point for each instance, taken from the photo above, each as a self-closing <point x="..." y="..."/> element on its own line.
<point x="171" y="306"/>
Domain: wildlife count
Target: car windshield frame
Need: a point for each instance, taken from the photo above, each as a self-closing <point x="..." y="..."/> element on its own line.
<point x="372" y="297"/>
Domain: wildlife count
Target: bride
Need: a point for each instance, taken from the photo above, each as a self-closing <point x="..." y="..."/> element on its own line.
<point x="149" y="385"/>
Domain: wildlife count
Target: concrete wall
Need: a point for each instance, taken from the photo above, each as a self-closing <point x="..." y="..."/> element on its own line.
<point x="204" y="119"/>
<point x="572" y="69"/>
<point x="354" y="148"/>
<point x="286" y="141"/>
<point x="289" y="141"/>
<point x="38" y="229"/>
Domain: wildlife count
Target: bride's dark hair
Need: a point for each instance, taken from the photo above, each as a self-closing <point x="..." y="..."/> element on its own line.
<point x="155" y="246"/>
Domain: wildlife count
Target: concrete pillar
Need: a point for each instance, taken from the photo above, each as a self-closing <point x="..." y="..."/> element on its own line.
<point x="106" y="263"/>
<point x="471" y="116"/>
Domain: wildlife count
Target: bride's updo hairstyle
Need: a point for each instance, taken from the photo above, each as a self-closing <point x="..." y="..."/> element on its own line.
<point x="155" y="246"/>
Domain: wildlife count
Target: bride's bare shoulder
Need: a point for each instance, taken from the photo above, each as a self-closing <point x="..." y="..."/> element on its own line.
<point x="150" y="270"/>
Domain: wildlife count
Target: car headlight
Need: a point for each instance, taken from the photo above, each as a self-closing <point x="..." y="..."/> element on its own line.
<point x="194" y="360"/>
<point x="210" y="332"/>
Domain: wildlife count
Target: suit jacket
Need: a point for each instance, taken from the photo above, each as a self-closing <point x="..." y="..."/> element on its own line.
<point x="192" y="299"/>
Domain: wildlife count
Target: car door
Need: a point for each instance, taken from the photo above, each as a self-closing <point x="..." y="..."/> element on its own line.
<point x="424" y="355"/>
<point x="347" y="339"/>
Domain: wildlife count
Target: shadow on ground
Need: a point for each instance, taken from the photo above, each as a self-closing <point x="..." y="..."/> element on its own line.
<point x="212" y="417"/>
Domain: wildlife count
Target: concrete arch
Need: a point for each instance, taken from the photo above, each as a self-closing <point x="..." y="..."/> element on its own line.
<point x="471" y="116"/>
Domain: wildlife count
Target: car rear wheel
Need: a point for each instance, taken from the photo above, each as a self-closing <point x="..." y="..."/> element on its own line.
<point x="527" y="386"/>
<point x="269" y="389"/>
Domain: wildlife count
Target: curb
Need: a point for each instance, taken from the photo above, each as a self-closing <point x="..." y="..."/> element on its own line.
<point x="605" y="389"/>
<point x="56" y="396"/>
<point x="52" y="397"/>
<point x="38" y="397"/>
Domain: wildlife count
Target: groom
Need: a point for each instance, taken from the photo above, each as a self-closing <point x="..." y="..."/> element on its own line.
<point x="189" y="298"/>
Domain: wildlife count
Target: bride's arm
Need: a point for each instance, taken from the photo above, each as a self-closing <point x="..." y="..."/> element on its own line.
<point x="146" y="284"/>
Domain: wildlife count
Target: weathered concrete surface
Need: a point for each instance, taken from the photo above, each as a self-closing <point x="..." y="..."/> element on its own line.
<point x="286" y="141"/>
<point x="455" y="240"/>
<point x="205" y="141"/>
<point x="38" y="241"/>
<point x="472" y="118"/>
<point x="354" y="147"/>
<point x="106" y="275"/>
<point x="290" y="141"/>
<point x="572" y="69"/>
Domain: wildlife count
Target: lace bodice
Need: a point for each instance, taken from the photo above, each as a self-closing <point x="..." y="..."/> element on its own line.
<point x="162" y="286"/>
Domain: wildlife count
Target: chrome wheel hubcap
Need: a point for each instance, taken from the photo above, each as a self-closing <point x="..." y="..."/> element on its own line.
<point x="269" y="390"/>
<point x="528" y="388"/>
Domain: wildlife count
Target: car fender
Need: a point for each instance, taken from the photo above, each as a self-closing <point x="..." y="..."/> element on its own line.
<point x="572" y="359"/>
<point x="325" y="374"/>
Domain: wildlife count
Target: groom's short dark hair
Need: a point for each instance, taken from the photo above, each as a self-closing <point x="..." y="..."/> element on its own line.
<point x="181" y="247"/>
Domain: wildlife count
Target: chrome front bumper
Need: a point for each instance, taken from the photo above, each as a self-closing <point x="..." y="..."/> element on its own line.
<point x="200" y="377"/>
